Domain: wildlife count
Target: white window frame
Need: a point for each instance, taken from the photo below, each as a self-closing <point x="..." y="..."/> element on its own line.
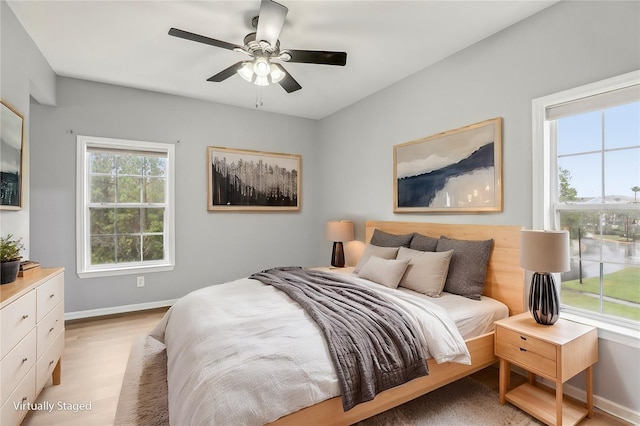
<point x="544" y="188"/>
<point x="83" y="262"/>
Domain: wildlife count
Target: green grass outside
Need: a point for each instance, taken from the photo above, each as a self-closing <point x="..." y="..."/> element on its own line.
<point x="579" y="300"/>
<point x="623" y="285"/>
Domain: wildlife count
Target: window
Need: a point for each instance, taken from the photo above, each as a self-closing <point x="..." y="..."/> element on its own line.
<point x="586" y="159"/>
<point x="125" y="207"/>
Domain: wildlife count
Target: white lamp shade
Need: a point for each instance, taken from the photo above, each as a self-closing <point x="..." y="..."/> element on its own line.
<point x="246" y="71"/>
<point x="544" y="251"/>
<point x="339" y="230"/>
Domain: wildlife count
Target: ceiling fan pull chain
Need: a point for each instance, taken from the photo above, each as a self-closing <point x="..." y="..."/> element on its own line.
<point x="259" y="101"/>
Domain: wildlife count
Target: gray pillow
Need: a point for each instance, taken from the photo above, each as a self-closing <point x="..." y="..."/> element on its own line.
<point x="468" y="266"/>
<point x="384" y="239"/>
<point x="372" y="250"/>
<point x="387" y="272"/>
<point x="423" y="243"/>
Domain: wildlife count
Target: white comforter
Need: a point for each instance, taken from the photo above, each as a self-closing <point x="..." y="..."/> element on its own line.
<point x="243" y="353"/>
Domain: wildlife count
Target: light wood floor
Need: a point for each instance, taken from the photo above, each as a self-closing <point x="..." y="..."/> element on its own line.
<point x="93" y="364"/>
<point x="95" y="359"/>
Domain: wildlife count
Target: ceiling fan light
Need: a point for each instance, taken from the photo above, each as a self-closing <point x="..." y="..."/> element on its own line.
<point x="261" y="67"/>
<point x="246" y="71"/>
<point x="261" y="81"/>
<point x="276" y="74"/>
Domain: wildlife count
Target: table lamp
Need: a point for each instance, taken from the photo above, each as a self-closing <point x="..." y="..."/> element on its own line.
<point x="339" y="231"/>
<point x="543" y="253"/>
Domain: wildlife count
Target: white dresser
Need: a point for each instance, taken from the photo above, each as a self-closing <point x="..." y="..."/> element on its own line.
<point x="31" y="340"/>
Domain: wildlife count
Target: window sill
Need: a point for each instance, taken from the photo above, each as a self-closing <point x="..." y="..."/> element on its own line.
<point x="125" y="271"/>
<point x="611" y="332"/>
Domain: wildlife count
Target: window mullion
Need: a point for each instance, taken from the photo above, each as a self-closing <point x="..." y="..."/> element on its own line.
<point x="554" y="180"/>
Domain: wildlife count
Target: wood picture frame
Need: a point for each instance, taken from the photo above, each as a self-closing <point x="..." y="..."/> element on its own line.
<point x="455" y="171"/>
<point x="11" y="156"/>
<point x="247" y="180"/>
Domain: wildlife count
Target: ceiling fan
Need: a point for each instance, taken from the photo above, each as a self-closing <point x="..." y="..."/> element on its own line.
<point x="263" y="47"/>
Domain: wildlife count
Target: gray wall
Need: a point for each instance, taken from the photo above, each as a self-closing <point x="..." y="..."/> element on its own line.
<point x="211" y="247"/>
<point x="564" y="46"/>
<point x="24" y="73"/>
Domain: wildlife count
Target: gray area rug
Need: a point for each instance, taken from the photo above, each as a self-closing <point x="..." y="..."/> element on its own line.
<point x="143" y="398"/>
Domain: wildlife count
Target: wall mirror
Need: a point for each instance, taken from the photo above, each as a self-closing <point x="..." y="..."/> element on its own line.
<point x="11" y="148"/>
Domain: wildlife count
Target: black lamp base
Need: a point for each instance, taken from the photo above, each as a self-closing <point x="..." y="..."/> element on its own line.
<point x="544" y="303"/>
<point x="337" y="255"/>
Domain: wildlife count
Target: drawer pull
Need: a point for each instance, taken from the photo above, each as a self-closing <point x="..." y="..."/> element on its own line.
<point x="51" y="295"/>
<point x="51" y="329"/>
<point x="523" y="338"/>
<point x="24" y="359"/>
<point x="25" y="316"/>
<point x="51" y="362"/>
<point x="523" y="350"/>
<point x="24" y="398"/>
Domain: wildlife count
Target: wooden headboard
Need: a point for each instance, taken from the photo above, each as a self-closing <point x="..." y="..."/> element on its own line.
<point x="505" y="277"/>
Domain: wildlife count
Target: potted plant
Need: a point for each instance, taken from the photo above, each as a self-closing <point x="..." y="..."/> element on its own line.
<point x="9" y="258"/>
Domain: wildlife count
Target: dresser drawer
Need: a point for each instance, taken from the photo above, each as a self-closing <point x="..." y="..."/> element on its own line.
<point x="16" y="321"/>
<point x="49" y="295"/>
<point x="49" y="328"/>
<point x="47" y="363"/>
<point x="24" y="394"/>
<point x="17" y="363"/>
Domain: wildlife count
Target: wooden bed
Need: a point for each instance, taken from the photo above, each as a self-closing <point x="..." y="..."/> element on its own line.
<point x="504" y="282"/>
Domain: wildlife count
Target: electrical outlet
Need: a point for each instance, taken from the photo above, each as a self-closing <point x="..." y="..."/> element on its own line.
<point x="140" y="281"/>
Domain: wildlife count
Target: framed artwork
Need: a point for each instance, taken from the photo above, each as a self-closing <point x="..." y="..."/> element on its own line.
<point x="11" y="148"/>
<point x="245" y="180"/>
<point x="456" y="171"/>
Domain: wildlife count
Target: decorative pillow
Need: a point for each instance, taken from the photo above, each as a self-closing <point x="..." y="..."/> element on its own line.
<point x="423" y="243"/>
<point x="373" y="250"/>
<point x="387" y="272"/>
<point x="468" y="266"/>
<point x="384" y="239"/>
<point x="427" y="270"/>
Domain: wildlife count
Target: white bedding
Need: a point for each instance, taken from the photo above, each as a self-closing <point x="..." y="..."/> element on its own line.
<point x="244" y="353"/>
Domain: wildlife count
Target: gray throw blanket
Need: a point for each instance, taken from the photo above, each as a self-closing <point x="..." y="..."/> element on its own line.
<point x="374" y="347"/>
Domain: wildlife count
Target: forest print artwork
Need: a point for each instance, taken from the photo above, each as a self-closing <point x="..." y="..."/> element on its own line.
<point x="253" y="180"/>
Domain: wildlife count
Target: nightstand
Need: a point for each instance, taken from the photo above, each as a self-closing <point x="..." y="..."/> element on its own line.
<point x="556" y="352"/>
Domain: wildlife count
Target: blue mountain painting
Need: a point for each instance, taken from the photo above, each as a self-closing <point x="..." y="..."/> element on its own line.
<point x="420" y="190"/>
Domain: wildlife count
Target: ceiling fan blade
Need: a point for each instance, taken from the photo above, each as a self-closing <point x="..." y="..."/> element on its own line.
<point x="270" y="21"/>
<point x="201" y="39"/>
<point x="288" y="83"/>
<point x="317" y="57"/>
<point x="226" y="73"/>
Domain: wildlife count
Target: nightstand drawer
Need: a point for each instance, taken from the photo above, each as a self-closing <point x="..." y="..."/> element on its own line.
<point x="526" y="359"/>
<point x="524" y="341"/>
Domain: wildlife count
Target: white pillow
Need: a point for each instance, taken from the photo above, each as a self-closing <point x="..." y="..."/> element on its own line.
<point x="427" y="270"/>
<point x="387" y="272"/>
<point x="371" y="250"/>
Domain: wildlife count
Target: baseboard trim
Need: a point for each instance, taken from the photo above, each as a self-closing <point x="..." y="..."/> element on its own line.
<point x="599" y="402"/>
<point x="117" y="309"/>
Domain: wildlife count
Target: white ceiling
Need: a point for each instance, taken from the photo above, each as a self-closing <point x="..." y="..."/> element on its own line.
<point x="126" y="43"/>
